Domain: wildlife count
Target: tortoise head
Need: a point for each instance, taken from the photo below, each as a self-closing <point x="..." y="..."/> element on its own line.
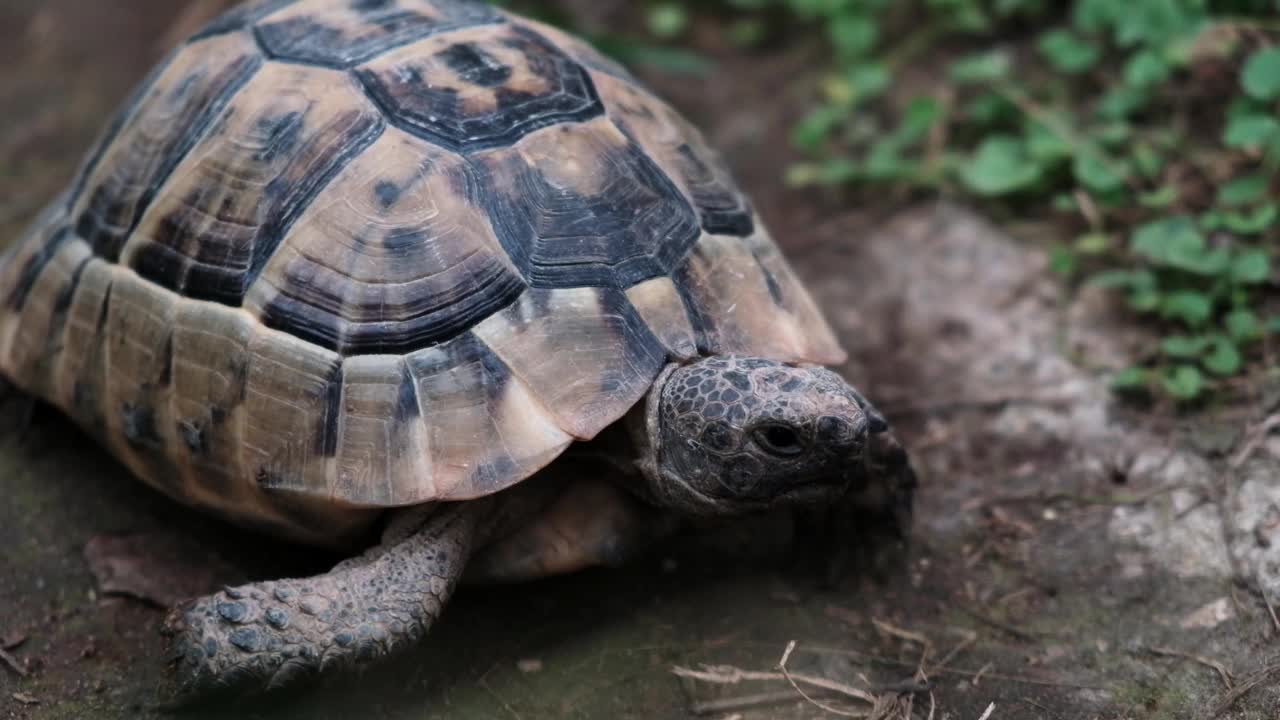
<point x="737" y="434"/>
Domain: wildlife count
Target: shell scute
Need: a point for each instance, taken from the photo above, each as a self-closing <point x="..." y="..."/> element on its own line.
<point x="394" y="256"/>
<point x="171" y="117"/>
<point x="344" y="33"/>
<point x="241" y="188"/>
<point x="480" y="88"/>
<point x="584" y="206"/>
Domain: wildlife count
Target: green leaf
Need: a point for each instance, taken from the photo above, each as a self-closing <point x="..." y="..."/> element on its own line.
<point x="1000" y="166"/>
<point x="1145" y="300"/>
<point x="921" y="115"/>
<point x="1121" y="101"/>
<point x="812" y="131"/>
<point x="981" y="68"/>
<point x="1224" y="357"/>
<point x="1067" y="53"/>
<point x="1261" y="74"/>
<point x="1242" y="325"/>
<point x="1063" y="260"/>
<point x="1117" y="132"/>
<point x="1046" y="144"/>
<point x="1148" y="160"/>
<point x="1213" y="220"/>
<point x="1161" y="197"/>
<point x="1243" y="190"/>
<point x="1191" y="307"/>
<point x="667" y="20"/>
<point x="885" y="162"/>
<point x="1184" y="346"/>
<point x="868" y="80"/>
<point x="838" y="170"/>
<point x="989" y="109"/>
<point x="1251" y="267"/>
<point x="853" y="35"/>
<point x="1253" y="222"/>
<point x="1098" y="173"/>
<point x="1128" y="279"/>
<point x="1251" y="130"/>
<point x="1094" y="243"/>
<point x="1183" y="382"/>
<point x="1146" y="69"/>
<point x="1132" y="378"/>
<point x="1177" y="242"/>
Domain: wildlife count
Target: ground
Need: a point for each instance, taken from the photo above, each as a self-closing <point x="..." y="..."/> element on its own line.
<point x="1072" y="557"/>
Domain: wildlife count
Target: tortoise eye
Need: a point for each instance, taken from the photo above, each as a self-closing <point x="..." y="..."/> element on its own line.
<point x="781" y="440"/>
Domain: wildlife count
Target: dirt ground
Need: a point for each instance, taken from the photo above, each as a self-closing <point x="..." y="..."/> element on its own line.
<point x="1072" y="558"/>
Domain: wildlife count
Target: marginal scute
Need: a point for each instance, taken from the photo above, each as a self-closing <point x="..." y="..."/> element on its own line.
<point x="210" y="366"/>
<point x="344" y="33"/>
<point x="33" y="336"/>
<point x="177" y="110"/>
<point x="480" y="88"/>
<point x="733" y="309"/>
<point x="382" y="454"/>
<point x="238" y="192"/>
<point x="290" y="413"/>
<point x="681" y="151"/>
<point x="485" y="430"/>
<point x="140" y="427"/>
<point x="580" y="205"/>
<point x="80" y="378"/>
<point x="789" y="293"/>
<point x="584" y="353"/>
<point x="393" y="256"/>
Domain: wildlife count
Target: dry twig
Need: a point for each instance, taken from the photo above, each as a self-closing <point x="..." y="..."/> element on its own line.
<point x="1244" y="688"/>
<point x="1253" y="440"/>
<point x="782" y="666"/>
<point x="1224" y="674"/>
<point x="13" y="663"/>
<point x="990" y="709"/>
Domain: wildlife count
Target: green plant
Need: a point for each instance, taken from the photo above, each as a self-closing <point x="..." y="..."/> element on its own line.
<point x="1147" y="129"/>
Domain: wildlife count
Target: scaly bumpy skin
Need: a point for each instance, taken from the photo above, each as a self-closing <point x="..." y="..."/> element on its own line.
<point x="265" y="635"/>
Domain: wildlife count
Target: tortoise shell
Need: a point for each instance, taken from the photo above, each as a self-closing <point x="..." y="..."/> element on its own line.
<point x="371" y="253"/>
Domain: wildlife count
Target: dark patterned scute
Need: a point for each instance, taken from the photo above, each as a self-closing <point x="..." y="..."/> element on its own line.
<point x="429" y="96"/>
<point x="723" y="208"/>
<point x="619" y="224"/>
<point x="215" y="242"/>
<point x="188" y="108"/>
<point x="363" y="30"/>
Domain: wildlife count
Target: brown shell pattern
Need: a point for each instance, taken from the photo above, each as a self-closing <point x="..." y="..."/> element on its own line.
<point x="349" y="254"/>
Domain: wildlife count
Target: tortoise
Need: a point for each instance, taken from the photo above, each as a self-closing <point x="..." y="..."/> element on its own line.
<point x="348" y="267"/>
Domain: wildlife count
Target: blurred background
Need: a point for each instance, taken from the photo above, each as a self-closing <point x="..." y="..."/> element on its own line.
<point x="1047" y="233"/>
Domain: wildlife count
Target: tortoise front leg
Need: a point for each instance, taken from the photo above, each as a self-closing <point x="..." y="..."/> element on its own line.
<point x="591" y="523"/>
<point x="264" y="635"/>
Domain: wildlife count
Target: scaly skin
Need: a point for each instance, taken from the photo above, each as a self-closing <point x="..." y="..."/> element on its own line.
<point x="268" y="634"/>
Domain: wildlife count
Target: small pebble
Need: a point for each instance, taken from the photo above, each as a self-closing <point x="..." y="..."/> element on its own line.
<point x="529" y="665"/>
